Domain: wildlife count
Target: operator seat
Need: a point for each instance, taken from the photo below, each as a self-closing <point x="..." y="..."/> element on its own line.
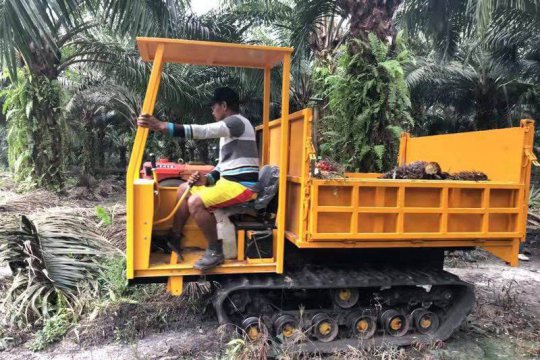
<point x="257" y="215"/>
<point x="266" y="188"/>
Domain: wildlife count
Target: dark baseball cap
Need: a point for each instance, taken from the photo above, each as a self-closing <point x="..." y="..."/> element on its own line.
<point x="225" y="94"/>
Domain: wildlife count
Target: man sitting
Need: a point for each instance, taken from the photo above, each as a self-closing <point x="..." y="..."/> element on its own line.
<point x="231" y="181"/>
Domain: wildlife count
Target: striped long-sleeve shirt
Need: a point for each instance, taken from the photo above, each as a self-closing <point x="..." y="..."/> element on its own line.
<point x="238" y="154"/>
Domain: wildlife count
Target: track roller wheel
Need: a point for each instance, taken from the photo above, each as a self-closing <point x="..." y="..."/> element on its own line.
<point x="254" y="328"/>
<point x="325" y="329"/>
<point x="425" y="322"/>
<point x="363" y="326"/>
<point x="394" y="322"/>
<point x="286" y="326"/>
<point x="346" y="298"/>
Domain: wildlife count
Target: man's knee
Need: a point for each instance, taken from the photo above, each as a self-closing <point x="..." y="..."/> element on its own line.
<point x="182" y="189"/>
<point x="195" y="203"/>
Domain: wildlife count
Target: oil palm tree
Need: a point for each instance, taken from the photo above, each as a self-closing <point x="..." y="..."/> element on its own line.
<point x="477" y="74"/>
<point x="447" y="22"/>
<point x="317" y="29"/>
<point x="47" y="39"/>
<point x="483" y="91"/>
<point x="319" y="24"/>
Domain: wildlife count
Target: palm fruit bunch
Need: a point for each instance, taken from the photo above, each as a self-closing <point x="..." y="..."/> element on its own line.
<point x="416" y="170"/>
<point x="431" y="171"/>
<point x="468" y="176"/>
<point x="327" y="169"/>
<point x="326" y="165"/>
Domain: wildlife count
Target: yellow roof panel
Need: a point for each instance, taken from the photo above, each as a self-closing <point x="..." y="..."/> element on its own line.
<point x="211" y="53"/>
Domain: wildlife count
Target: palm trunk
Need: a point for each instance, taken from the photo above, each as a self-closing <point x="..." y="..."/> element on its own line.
<point x="486" y="106"/>
<point x="89" y="146"/>
<point x="122" y="152"/>
<point x="100" y="148"/>
<point x="46" y="132"/>
<point x="372" y="145"/>
<point x="371" y="16"/>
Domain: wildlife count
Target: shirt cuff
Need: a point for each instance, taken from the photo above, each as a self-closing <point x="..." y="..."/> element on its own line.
<point x="170" y="128"/>
<point x="176" y="130"/>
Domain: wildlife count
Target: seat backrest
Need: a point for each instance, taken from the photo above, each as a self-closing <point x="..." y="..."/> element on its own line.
<point x="267" y="186"/>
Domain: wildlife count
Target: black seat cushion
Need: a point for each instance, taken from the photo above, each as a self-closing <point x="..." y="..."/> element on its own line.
<point x="266" y="187"/>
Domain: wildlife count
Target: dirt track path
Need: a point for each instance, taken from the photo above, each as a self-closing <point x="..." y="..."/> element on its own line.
<point x="186" y="344"/>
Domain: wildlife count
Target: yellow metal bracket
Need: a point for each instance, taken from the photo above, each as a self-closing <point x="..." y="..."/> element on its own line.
<point x="175" y="285"/>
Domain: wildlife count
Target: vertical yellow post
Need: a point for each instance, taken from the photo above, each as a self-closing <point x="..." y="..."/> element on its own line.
<point x="402" y="156"/>
<point x="283" y="163"/>
<point x="444" y="205"/>
<point x="528" y="154"/>
<point x="136" y="156"/>
<point x="485" y="209"/>
<point x="266" y="117"/>
<point x="304" y="172"/>
<point x="241" y="245"/>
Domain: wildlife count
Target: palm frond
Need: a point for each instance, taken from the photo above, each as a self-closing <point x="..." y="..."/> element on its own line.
<point x="28" y="26"/>
<point x="57" y="254"/>
<point x="444" y="22"/>
<point x="160" y="18"/>
<point x="115" y="57"/>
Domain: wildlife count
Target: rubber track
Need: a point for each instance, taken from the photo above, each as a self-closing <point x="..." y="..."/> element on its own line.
<point x="326" y="278"/>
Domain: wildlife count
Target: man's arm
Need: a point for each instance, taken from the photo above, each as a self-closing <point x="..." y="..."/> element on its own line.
<point x="232" y="126"/>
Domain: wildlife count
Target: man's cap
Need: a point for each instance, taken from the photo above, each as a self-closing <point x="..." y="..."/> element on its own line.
<point x="225" y="94"/>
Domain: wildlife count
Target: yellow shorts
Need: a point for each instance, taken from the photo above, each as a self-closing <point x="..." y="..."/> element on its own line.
<point x="223" y="193"/>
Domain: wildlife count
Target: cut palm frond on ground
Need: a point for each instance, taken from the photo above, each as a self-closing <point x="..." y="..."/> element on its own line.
<point x="30" y="202"/>
<point x="57" y="257"/>
<point x="533" y="220"/>
<point x="115" y="233"/>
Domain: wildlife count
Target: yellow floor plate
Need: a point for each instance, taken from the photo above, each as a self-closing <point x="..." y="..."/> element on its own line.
<point x="160" y="265"/>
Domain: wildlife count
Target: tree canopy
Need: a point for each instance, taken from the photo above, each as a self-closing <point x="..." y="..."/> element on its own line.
<point x="73" y="80"/>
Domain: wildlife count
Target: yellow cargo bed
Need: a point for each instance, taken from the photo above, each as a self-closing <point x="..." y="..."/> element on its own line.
<point x="363" y="211"/>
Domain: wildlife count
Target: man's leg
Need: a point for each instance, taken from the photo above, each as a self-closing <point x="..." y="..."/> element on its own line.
<point x="207" y="223"/>
<point x="179" y="221"/>
<point x="182" y="214"/>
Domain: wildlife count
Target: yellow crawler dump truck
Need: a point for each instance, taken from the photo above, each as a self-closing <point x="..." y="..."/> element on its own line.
<point x="342" y="261"/>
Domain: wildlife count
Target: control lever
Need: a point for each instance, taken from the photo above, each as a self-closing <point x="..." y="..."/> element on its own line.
<point x="180" y="201"/>
<point x="148" y="170"/>
<point x="153" y="160"/>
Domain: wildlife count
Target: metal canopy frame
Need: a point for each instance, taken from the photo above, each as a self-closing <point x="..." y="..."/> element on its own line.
<point x="206" y="53"/>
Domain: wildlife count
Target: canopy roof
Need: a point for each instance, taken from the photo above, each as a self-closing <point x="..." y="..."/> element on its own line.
<point x="212" y="53"/>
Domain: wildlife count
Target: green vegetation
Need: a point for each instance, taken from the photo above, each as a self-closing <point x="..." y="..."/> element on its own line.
<point x="103" y="215"/>
<point x="454" y="66"/>
<point x="53" y="329"/>
<point x="368" y="104"/>
<point x="18" y="132"/>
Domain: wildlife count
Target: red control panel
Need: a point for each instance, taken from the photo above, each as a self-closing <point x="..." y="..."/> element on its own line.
<point x="166" y="169"/>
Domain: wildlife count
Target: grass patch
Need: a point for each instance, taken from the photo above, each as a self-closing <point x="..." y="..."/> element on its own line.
<point x="103" y="215"/>
<point x="54" y="328"/>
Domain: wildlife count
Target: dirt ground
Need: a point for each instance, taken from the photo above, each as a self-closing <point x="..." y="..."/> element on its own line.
<point x="505" y="323"/>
